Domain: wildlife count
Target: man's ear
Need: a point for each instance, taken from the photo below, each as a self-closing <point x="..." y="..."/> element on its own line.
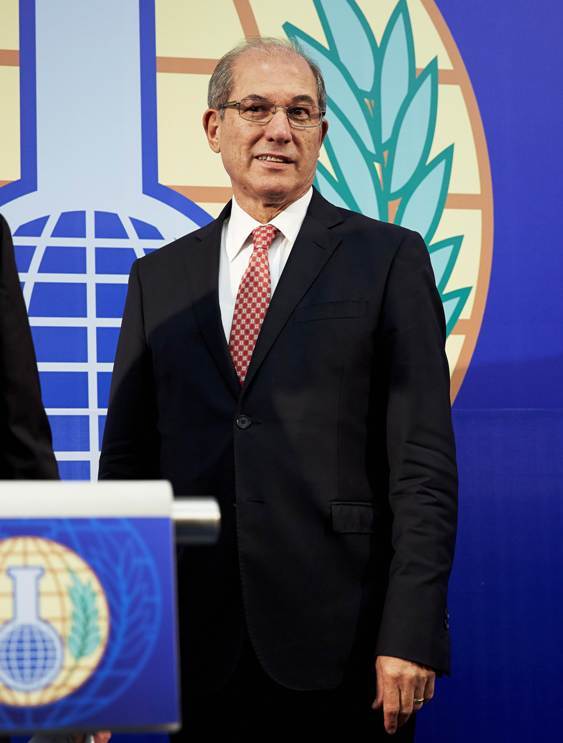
<point x="212" y="126"/>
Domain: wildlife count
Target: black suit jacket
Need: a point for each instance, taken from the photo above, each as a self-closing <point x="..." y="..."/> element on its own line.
<point x="25" y="437"/>
<point x="334" y="465"/>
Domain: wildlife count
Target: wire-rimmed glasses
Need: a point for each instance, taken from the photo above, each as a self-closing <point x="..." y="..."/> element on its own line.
<point x="262" y="111"/>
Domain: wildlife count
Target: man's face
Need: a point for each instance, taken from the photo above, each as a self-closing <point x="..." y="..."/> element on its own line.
<point x="283" y="79"/>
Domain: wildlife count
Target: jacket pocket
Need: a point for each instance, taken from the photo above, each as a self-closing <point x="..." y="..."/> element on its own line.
<point x="331" y="310"/>
<point x="352" y="518"/>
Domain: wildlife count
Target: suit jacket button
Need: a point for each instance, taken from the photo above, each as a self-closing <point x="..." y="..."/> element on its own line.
<point x="243" y="422"/>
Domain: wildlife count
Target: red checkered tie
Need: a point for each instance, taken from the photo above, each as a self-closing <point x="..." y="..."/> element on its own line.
<point x="253" y="298"/>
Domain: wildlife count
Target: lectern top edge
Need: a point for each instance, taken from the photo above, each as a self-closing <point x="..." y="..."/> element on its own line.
<point x="53" y="499"/>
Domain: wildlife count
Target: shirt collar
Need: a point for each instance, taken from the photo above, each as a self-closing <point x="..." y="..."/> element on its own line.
<point x="288" y="223"/>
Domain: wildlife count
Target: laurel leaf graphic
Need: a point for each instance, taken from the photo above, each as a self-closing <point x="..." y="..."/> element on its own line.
<point x="348" y="32"/>
<point x="443" y="256"/>
<point x="453" y="303"/>
<point x="343" y="146"/>
<point x="379" y="139"/>
<point x="414" y="131"/>
<point x="397" y="70"/>
<point x="422" y="208"/>
<point x="84" y="635"/>
<point x="337" y="78"/>
<point x="329" y="188"/>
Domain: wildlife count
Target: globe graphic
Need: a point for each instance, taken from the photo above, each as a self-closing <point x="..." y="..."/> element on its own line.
<point x="28" y="655"/>
<point x="74" y="268"/>
<point x="31" y="671"/>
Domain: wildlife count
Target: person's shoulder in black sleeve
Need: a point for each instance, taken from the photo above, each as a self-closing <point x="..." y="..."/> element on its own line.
<point x="26" y="451"/>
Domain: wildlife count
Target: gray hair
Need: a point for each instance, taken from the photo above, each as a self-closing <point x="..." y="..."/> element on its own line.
<point x="221" y="82"/>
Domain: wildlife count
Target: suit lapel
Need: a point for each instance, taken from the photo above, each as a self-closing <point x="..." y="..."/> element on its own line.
<point x="313" y="247"/>
<point x="202" y="265"/>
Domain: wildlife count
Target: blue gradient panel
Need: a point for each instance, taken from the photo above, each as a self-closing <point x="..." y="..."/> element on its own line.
<point x="108" y="224"/>
<point x="114" y="260"/>
<point x="24" y="254"/>
<point x="104" y="382"/>
<point x="64" y="389"/>
<point x="506" y="602"/>
<point x="110" y="299"/>
<point x="106" y="344"/>
<point x="506" y="614"/>
<point x="74" y="470"/>
<point x="34" y="228"/>
<point x="63" y="260"/>
<point x="70" y="432"/>
<point x="71" y="224"/>
<point x="60" y="344"/>
<point x="58" y="300"/>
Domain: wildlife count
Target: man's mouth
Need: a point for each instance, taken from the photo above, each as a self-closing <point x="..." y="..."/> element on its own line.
<point x="273" y="158"/>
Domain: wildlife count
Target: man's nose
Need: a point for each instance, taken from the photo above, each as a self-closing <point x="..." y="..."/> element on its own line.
<point x="278" y="128"/>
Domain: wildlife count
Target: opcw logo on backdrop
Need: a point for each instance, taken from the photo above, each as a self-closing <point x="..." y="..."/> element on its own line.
<point x="405" y="141"/>
<point x="111" y="165"/>
<point x="54" y="621"/>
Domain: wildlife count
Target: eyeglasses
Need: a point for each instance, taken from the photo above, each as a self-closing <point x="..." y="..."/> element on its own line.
<point x="262" y="111"/>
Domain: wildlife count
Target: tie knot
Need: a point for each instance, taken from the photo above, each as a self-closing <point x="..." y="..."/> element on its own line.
<point x="263" y="236"/>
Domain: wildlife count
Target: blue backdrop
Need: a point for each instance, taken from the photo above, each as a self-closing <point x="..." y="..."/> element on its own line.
<point x="506" y="598"/>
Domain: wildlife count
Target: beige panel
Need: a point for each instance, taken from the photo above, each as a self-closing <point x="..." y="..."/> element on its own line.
<point x="211" y="208"/>
<point x="183" y="153"/>
<point x="187" y="29"/>
<point x="9" y="25"/>
<point x="453" y="126"/>
<point x="427" y="41"/>
<point x="454" y="345"/>
<point x="270" y="17"/>
<point x="467" y="223"/>
<point x="10" y="124"/>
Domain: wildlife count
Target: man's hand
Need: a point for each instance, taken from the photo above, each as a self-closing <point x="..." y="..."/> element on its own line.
<point x="400" y="684"/>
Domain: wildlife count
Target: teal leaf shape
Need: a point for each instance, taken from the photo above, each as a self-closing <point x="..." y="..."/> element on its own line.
<point x="337" y="80"/>
<point x="348" y="32"/>
<point x="415" y="127"/>
<point x="453" y="303"/>
<point x="344" y="148"/>
<point x="422" y="208"/>
<point x="443" y="256"/>
<point x="392" y="125"/>
<point x="84" y="635"/>
<point x="397" y="70"/>
<point x="328" y="187"/>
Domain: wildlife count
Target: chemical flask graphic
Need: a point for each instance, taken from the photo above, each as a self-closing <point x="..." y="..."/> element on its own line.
<point x="88" y="203"/>
<point x="31" y="651"/>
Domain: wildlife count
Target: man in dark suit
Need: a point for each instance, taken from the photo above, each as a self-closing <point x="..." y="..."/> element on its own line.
<point x="288" y="359"/>
<point x="25" y="437"/>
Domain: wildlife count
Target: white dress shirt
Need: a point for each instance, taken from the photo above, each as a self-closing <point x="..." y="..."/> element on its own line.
<point x="236" y="249"/>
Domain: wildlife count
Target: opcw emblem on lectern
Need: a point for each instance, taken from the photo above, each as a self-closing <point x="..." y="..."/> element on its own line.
<point x="88" y="635"/>
<point x="54" y="621"/>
